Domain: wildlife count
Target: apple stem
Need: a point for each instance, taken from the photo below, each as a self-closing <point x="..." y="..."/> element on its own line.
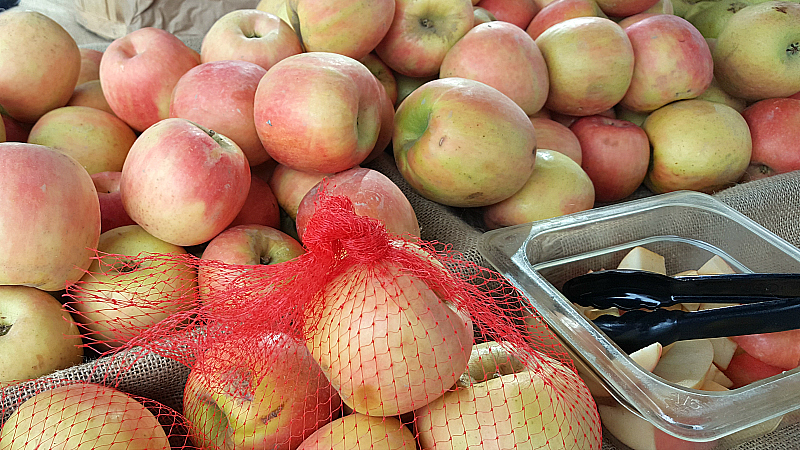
<point x="4" y="329"/>
<point x="793" y="49"/>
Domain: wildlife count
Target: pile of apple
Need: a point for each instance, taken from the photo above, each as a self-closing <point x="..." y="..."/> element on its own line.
<point x="522" y="110"/>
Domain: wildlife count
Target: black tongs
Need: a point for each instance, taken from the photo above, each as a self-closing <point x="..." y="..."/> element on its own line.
<point x="767" y="303"/>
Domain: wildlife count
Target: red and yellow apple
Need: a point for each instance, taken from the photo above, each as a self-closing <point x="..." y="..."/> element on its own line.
<point x="129" y="66"/>
<point x="290" y="186"/>
<point x="183" y="183"/>
<point x="318" y="112"/>
<point x="358" y="431"/>
<point x="90" y="65"/>
<point x="49" y="217"/>
<point x="516" y="12"/>
<point x="551" y="135"/>
<point x="489" y="53"/>
<point x="251" y="35"/>
<point x="219" y="95"/>
<point x="463" y="143"/>
<point x="90" y="94"/>
<point x="774" y="129"/>
<point x="112" y="212"/>
<point x="39" y="64"/>
<point x="559" y="11"/>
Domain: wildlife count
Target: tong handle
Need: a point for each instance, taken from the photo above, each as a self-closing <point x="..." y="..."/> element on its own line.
<point x="637" y="329"/>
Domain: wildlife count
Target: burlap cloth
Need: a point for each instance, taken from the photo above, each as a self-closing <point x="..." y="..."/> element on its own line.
<point x="771" y="202"/>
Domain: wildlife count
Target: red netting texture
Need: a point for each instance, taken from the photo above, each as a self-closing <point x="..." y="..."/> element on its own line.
<point x="366" y="340"/>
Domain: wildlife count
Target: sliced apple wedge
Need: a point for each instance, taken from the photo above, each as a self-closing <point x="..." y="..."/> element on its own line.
<point x="640" y="258"/>
<point x="715" y="266"/>
<point x="724" y="348"/>
<point x="647" y="357"/>
<point x="627" y="427"/>
<point x="687" y="363"/>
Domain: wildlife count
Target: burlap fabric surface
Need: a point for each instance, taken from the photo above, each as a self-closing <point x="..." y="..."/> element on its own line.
<point x="771" y="202"/>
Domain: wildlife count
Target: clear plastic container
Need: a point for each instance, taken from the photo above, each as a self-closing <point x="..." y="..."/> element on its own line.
<point x="687" y="228"/>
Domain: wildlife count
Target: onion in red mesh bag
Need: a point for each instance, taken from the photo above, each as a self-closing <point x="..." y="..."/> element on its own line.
<point x="83" y="416"/>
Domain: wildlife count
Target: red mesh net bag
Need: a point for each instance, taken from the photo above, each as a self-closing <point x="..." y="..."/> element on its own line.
<point x="366" y="340"/>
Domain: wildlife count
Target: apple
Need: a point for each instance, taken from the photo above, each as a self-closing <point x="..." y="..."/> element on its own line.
<point x="90" y="94"/>
<point x="251" y="35"/>
<point x="481" y="15"/>
<point x="130" y="286"/>
<point x="384" y="140"/>
<point x="551" y="135"/>
<point x="129" y="66"/>
<point x="352" y="28"/>
<point x="590" y="63"/>
<point x="567" y="120"/>
<point x="112" y="212"/>
<point x="407" y="85"/>
<point x="630" y="20"/>
<point x="672" y="62"/>
<point x="197" y="97"/>
<point x="358" y="431"/>
<point x="290" y="186"/>
<point x="776" y="137"/>
<point x="616" y="154"/>
<point x="696" y="145"/>
<point x="90" y="65"/>
<point x="463" y="143"/>
<point x="421" y="33"/>
<point x="383" y="73"/>
<point x="183" y="183"/>
<point x="516" y="12"/>
<point x="557" y="186"/>
<point x="647" y="357"/>
<point x="266" y="394"/>
<point x="687" y="363"/>
<point x="15" y="130"/>
<point x="559" y="11"/>
<point x="710" y="17"/>
<point x="635" y="117"/>
<point x="318" y="112"/>
<point x="98" y="140"/>
<point x="641" y="258"/>
<point x="39" y="64"/>
<point x="260" y="207"/>
<point x="373" y="195"/>
<point x="37" y="337"/>
<point x="250" y="244"/>
<point x="539" y="403"/>
<point x="83" y="416"/>
<point x="49" y="217"/>
<point x="745" y="368"/>
<point x="276" y="7"/>
<point x="388" y="342"/>
<point x="625" y="8"/>
<point x="490" y="52"/>
<point x="778" y="349"/>
<point x="661" y="7"/>
<point x="755" y="69"/>
<point x="715" y="93"/>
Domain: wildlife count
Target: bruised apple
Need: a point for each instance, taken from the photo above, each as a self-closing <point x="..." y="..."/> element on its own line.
<point x="387" y="341"/>
<point x="268" y="394"/>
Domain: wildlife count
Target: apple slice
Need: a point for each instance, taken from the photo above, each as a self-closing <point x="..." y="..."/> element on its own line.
<point x="715" y="375"/>
<point x="648" y="357"/>
<point x="724" y="348"/>
<point x="627" y="427"/>
<point x="780" y="349"/>
<point x="745" y="369"/>
<point x="687" y="363"/>
<point x="640" y="258"/>
<point x="715" y="266"/>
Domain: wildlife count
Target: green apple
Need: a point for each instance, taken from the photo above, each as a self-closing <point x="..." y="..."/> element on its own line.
<point x="37" y="337"/>
<point x="696" y="145"/>
<point x="263" y="395"/>
<point x="542" y="404"/>
<point x="129" y="288"/>
<point x="83" y="416"/>
<point x="757" y="54"/>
